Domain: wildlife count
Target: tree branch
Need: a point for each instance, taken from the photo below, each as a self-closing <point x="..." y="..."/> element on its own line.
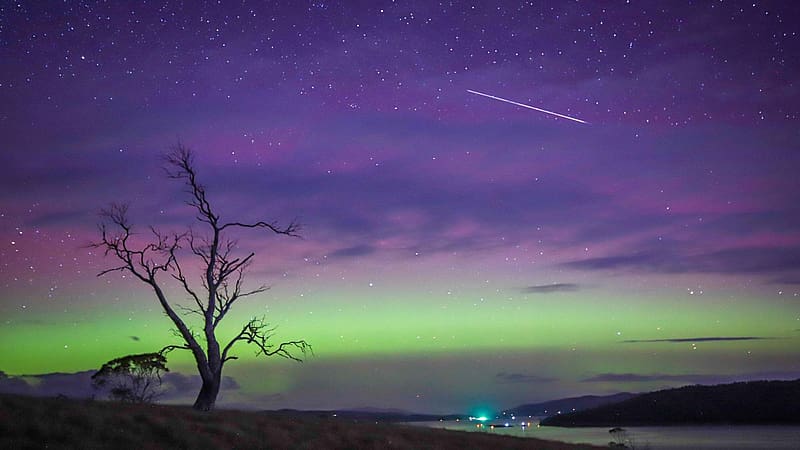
<point x="169" y="348"/>
<point x="290" y="230"/>
<point x="258" y="332"/>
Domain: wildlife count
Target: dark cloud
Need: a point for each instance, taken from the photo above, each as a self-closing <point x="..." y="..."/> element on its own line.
<point x="786" y="280"/>
<point x="44" y="322"/>
<point x="62" y="218"/>
<point x="641" y="378"/>
<point x="690" y="377"/>
<point x="176" y="385"/>
<point x="74" y="385"/>
<point x="79" y="385"/>
<point x="699" y="339"/>
<point x="635" y="260"/>
<point x="351" y="252"/>
<point x="504" y="377"/>
<point x="550" y="288"/>
<point x="39" y="322"/>
<point x="13" y="385"/>
<point x="623" y="225"/>
<point x="682" y="260"/>
<point x="780" y="221"/>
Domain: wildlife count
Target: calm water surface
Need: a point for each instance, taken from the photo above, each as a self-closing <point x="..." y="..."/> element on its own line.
<point x="717" y="437"/>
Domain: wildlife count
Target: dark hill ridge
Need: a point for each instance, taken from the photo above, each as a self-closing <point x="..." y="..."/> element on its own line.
<point x="754" y="402"/>
<point x="569" y="404"/>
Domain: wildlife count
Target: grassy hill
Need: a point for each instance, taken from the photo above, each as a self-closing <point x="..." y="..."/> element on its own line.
<point x="754" y="402"/>
<point x="27" y="422"/>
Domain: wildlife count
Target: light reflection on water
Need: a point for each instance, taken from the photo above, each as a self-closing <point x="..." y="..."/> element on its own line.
<point x="713" y="437"/>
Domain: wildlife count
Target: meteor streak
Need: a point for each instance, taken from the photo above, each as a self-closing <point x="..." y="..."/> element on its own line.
<point x="527" y="106"/>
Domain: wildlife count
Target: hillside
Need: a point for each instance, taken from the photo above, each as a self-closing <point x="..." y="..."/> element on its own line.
<point x="755" y="402"/>
<point x="569" y="404"/>
<point x="27" y="422"/>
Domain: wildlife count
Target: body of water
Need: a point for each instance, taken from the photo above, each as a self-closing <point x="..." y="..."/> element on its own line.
<point x="712" y="437"/>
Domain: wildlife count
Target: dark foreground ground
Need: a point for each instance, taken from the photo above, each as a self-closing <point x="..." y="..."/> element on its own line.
<point x="27" y="422"/>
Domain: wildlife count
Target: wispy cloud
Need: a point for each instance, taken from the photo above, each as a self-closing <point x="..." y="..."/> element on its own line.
<point x="551" y="288"/>
<point x="785" y="280"/>
<point x="352" y="252"/>
<point x="699" y="339"/>
<point x="504" y="377"/>
<point x="642" y="378"/>
<point x="176" y="385"/>
<point x="76" y="385"/>
<point x="765" y="259"/>
<point x="699" y="378"/>
<point x="79" y="385"/>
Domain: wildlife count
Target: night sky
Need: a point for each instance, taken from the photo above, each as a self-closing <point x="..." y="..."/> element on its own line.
<point x="458" y="251"/>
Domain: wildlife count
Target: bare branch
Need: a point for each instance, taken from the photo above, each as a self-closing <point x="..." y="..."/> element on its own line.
<point x="291" y="229"/>
<point x="187" y="310"/>
<point x="258" y="333"/>
<point x="178" y="275"/>
<point x="180" y="161"/>
<point x="115" y="269"/>
<point x="169" y="348"/>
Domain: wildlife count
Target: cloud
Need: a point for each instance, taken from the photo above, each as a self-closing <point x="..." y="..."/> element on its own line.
<point x="642" y="378"/>
<point x="785" y="280"/>
<point x="75" y="385"/>
<point x="635" y="260"/>
<point x="699" y="339"/>
<point x="61" y="218"/>
<point x="689" y="377"/>
<point x="681" y="260"/>
<point x="12" y="385"/>
<point x="40" y="322"/>
<point x="180" y="386"/>
<point x="504" y="377"/>
<point x="354" y="251"/>
<point x="550" y="288"/>
<point x="175" y="385"/>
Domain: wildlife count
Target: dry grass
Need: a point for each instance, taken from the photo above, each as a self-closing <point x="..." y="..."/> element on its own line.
<point x="59" y="423"/>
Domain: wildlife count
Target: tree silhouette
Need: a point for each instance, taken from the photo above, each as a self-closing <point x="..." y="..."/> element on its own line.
<point x="132" y="378"/>
<point x="221" y="280"/>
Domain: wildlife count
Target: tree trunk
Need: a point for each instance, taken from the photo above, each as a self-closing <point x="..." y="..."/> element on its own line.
<point x="208" y="393"/>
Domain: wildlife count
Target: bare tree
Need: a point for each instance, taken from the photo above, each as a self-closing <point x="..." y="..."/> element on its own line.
<point x="132" y="378"/>
<point x="221" y="282"/>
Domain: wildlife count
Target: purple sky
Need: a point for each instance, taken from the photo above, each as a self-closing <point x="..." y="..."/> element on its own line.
<point x="357" y="121"/>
